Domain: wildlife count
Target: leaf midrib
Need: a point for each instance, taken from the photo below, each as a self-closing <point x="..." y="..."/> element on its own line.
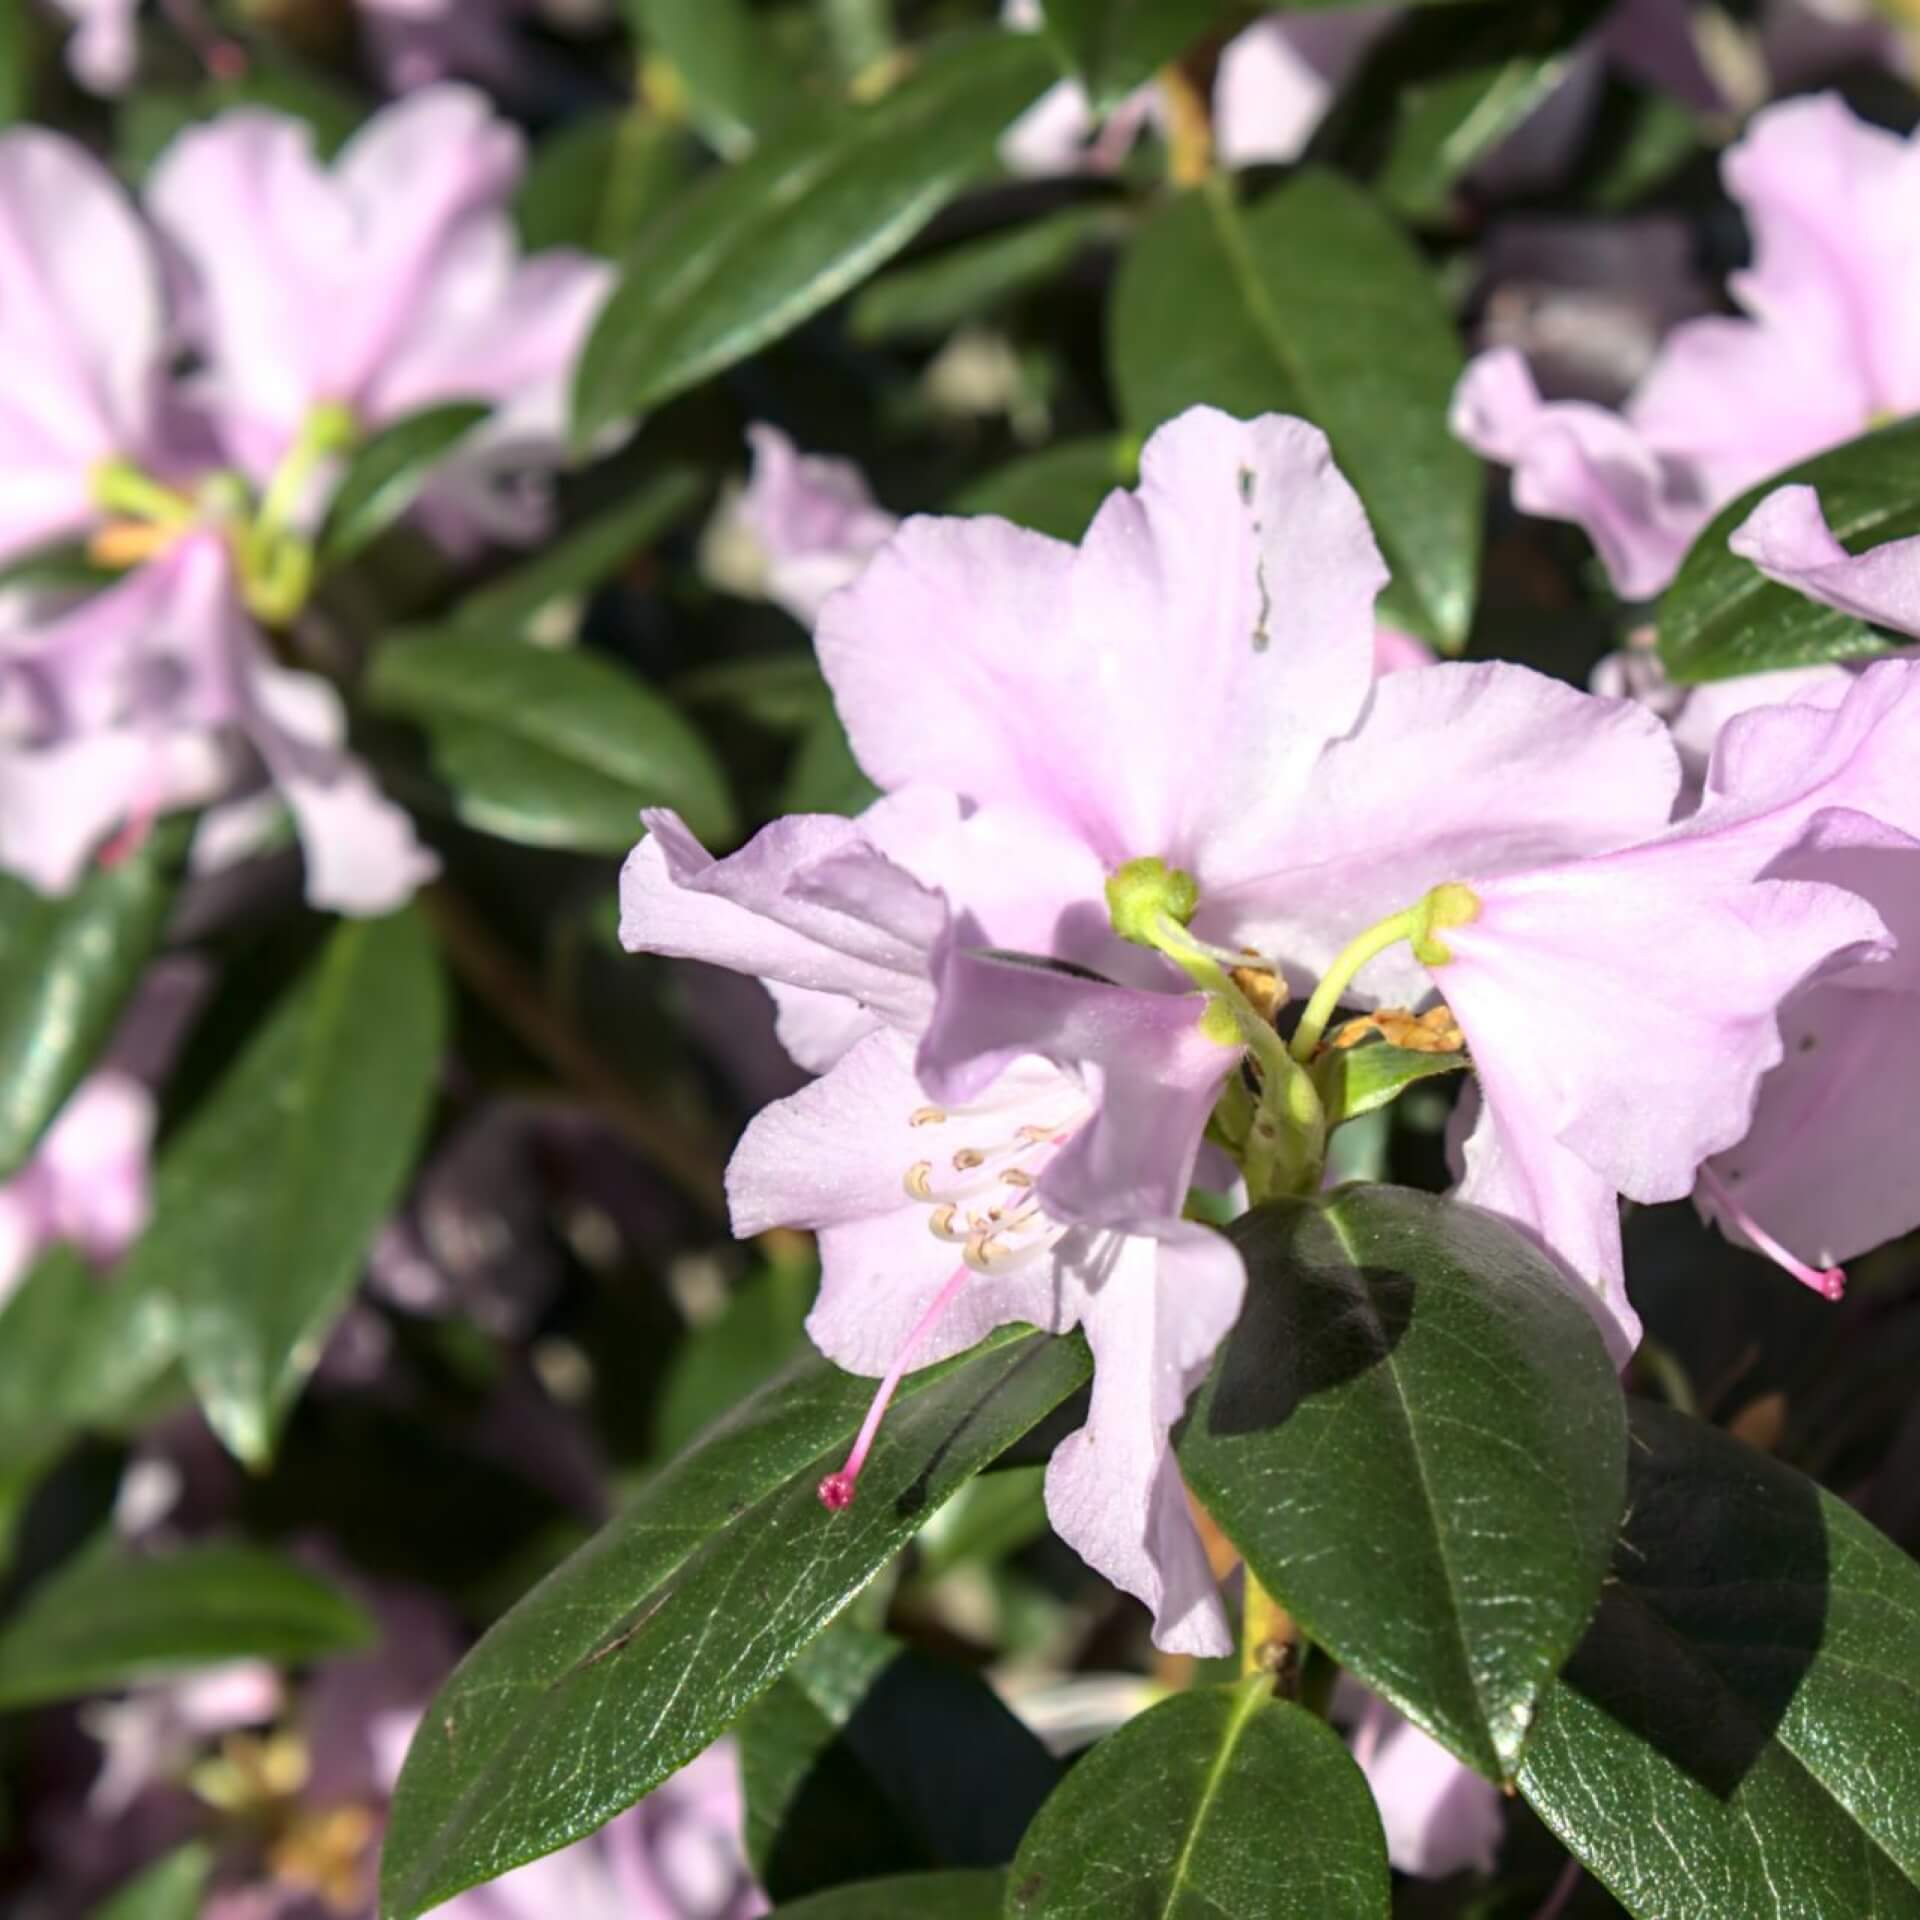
<point x="1332" y="1217"/>
<point x="1251" y="1697"/>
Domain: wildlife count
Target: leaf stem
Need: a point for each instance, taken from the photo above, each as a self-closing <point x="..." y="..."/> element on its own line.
<point x="1269" y="1637"/>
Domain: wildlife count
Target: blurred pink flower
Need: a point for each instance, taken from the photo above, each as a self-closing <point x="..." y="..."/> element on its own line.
<point x="804" y="526"/>
<point x="87" y="1182"/>
<point x="81" y="305"/>
<point x="678" y="1855"/>
<point x="1826" y="348"/>
<point x="148" y="1738"/>
<point x="386" y="283"/>
<point x="1441" y="1818"/>
<point x="104" y="45"/>
<point x="149" y="696"/>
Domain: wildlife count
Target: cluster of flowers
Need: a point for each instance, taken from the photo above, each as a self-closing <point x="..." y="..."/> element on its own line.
<point x="198" y="377"/>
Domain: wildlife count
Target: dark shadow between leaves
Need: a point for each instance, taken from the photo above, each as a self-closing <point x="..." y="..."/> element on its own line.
<point x="1312" y="1320"/>
<point x="930" y="1771"/>
<point x="1716" y="1604"/>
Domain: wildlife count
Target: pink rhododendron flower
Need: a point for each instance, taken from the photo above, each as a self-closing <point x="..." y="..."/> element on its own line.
<point x="81" y="305"/>
<point x="153" y="694"/>
<point x="86" y="1184"/>
<point x="386" y="283"/>
<point x="1838" y="1084"/>
<point x="804" y="526"/>
<point x="1825" y="349"/>
<point x="1194" y="685"/>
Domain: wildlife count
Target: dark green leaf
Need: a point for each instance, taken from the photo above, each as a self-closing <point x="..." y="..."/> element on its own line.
<point x="590" y="554"/>
<point x="977" y="1894"/>
<point x="268" y="1198"/>
<point x="1739" y="1733"/>
<point x="598" y="179"/>
<point x="551" y="747"/>
<point x="630" y="1658"/>
<point x="66" y="969"/>
<point x="1372" y="1074"/>
<point x="1443" y="91"/>
<point x="866" y="1758"/>
<point x="930" y="298"/>
<point x="170" y="1890"/>
<point x="111" y="1617"/>
<point x="1115" y="45"/>
<point x="385" y="476"/>
<point x="783" y="692"/>
<point x="764" y="245"/>
<point x="1416" y="1438"/>
<point x="1058" y="491"/>
<point x="1313" y="302"/>
<point x="1223" y="1801"/>
<point x="77" y="1350"/>
<point x="729" y="76"/>
<point x="16" y="60"/>
<point x="1722" y="616"/>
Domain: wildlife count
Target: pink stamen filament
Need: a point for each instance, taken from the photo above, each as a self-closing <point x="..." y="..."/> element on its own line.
<point x="837" y="1489"/>
<point x="1828" y="1282"/>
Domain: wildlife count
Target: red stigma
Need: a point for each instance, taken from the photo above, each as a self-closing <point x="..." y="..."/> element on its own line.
<point x="836" y="1492"/>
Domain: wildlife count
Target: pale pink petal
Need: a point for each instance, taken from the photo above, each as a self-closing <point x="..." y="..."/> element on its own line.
<point x="1277" y="79"/>
<point x="1396" y="652"/>
<point x="1698" y="409"/>
<point x="742" y="912"/>
<point x="81" y="327"/>
<point x="362" y="854"/>
<point x="1775" y="767"/>
<point x="1628" y="1004"/>
<point x="1520" y="1172"/>
<point x="1454" y="772"/>
<point x="1150" y="1070"/>
<point x="1829" y="200"/>
<point x="1155" y="1310"/>
<point x="94" y="1160"/>
<point x="59" y="802"/>
<point x="1441" y="1818"/>
<point x="1827" y="1166"/>
<point x="818" y="1028"/>
<point x="810" y="522"/>
<point x="1787" y="538"/>
<point x="102" y="52"/>
<point x="1229" y="600"/>
<point x="339" y="264"/>
<point x="1573" y="461"/>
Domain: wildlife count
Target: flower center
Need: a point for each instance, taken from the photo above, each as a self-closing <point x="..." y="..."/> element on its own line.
<point x="979" y="1183"/>
<point x="979" y="1179"/>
